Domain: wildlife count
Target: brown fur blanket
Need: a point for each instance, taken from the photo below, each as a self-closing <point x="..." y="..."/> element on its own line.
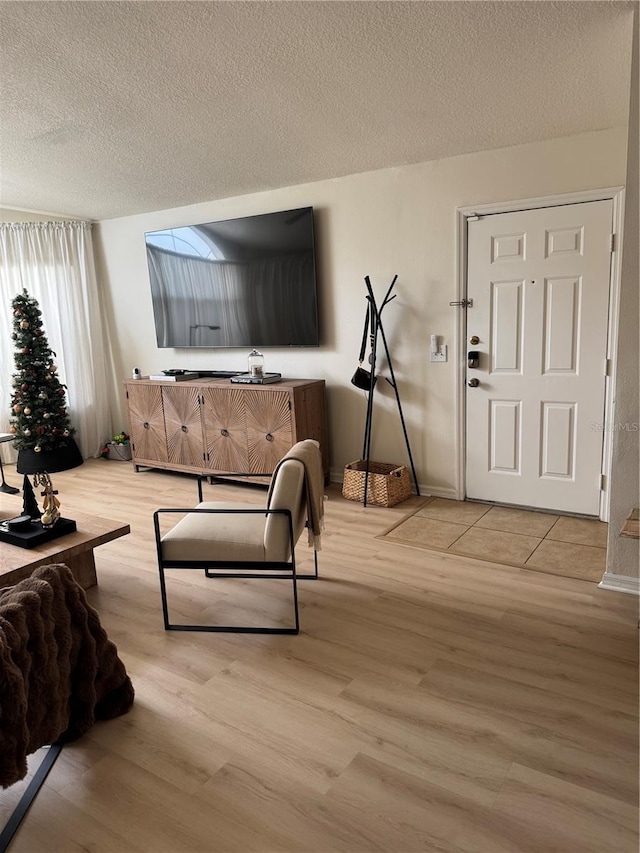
<point x="58" y="670"/>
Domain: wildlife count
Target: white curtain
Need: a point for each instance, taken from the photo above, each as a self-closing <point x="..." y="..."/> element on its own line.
<point x="53" y="261"/>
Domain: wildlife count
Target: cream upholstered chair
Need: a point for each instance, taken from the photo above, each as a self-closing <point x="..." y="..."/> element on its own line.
<point x="238" y="540"/>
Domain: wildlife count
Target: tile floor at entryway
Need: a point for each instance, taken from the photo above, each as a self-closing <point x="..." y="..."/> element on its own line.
<point x="546" y="542"/>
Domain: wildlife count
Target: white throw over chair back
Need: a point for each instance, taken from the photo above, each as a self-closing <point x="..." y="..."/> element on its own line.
<point x="287" y="493"/>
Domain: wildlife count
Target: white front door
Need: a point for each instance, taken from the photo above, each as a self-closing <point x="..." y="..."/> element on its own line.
<point x="539" y="281"/>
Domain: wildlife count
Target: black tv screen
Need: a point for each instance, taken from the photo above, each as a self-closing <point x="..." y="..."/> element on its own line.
<point x="247" y="282"/>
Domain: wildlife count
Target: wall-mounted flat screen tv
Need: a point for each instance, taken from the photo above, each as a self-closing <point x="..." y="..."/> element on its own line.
<point x="248" y="282"/>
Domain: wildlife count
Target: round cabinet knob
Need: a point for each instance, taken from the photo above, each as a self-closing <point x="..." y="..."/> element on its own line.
<point x="473" y="383"/>
<point x="224" y="432"/>
<point x="269" y="437"/>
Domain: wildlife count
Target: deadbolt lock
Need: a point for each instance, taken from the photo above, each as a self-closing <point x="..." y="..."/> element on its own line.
<point x="474" y="340"/>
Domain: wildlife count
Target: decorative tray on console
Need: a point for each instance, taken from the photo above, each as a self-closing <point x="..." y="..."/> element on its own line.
<point x="35" y="534"/>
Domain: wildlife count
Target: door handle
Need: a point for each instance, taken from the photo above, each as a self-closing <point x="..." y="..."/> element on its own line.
<point x="473" y="383"/>
<point x="473" y="359"/>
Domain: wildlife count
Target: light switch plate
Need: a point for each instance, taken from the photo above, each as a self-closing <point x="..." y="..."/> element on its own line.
<point x="440" y="355"/>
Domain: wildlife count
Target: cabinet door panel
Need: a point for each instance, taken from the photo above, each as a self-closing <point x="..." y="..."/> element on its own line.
<point x="146" y="423"/>
<point x="225" y="429"/>
<point x="269" y="432"/>
<point x="183" y="424"/>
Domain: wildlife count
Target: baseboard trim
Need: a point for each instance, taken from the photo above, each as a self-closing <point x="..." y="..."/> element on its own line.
<point x="438" y="492"/>
<point x="336" y="475"/>
<point x="620" y="583"/>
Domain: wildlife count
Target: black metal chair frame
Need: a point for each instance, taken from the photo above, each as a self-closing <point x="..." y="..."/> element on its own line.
<point x="26" y="800"/>
<point x="233" y="569"/>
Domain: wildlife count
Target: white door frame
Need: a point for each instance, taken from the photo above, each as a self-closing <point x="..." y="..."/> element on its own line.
<point x="616" y="195"/>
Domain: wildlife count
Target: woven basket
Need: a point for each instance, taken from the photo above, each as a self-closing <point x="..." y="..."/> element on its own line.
<point x="388" y="484"/>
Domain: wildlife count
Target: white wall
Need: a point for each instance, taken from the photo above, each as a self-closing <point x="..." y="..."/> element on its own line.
<point x="399" y="220"/>
<point x="10" y="214"/>
<point x="622" y="554"/>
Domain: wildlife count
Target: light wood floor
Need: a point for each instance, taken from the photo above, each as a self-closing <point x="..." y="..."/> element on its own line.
<point x="431" y="702"/>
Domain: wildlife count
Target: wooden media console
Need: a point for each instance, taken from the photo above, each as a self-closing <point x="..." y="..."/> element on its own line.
<point x="212" y="426"/>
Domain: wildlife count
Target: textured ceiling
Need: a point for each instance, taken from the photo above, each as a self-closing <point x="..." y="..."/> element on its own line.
<point x="114" y="108"/>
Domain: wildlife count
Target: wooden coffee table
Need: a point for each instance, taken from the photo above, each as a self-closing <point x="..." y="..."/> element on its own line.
<point x="74" y="550"/>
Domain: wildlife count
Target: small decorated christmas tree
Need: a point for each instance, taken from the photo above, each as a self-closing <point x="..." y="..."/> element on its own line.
<point x="39" y="418"/>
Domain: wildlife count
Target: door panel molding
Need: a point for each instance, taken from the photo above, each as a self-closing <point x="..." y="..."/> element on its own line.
<point x="506" y="307"/>
<point x="558" y="458"/>
<point x="559" y="243"/>
<point x="561" y="322"/>
<point x="505" y="436"/>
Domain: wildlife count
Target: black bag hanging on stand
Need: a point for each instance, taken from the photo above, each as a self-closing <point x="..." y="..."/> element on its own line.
<point x="362" y="378"/>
